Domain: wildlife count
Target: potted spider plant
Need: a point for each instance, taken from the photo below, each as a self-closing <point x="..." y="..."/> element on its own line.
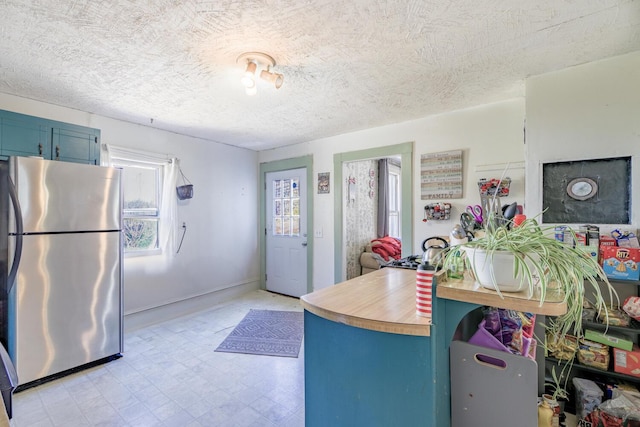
<point x="534" y="261"/>
<point x="527" y="258"/>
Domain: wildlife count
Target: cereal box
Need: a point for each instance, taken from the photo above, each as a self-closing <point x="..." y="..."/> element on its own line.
<point x="621" y="263"/>
<point x="627" y="362"/>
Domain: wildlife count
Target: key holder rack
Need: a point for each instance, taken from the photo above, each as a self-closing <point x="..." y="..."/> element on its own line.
<point x="437" y="212"/>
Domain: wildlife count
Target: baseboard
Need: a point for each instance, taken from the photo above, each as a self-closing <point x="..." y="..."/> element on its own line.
<point x="155" y="315"/>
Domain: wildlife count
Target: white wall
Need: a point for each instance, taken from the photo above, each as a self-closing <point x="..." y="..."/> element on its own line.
<point x="220" y="249"/>
<point x="590" y="111"/>
<point x="489" y="135"/>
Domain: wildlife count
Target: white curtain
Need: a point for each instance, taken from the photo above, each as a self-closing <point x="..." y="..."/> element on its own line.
<point x="168" y="198"/>
<point x="169" y="206"/>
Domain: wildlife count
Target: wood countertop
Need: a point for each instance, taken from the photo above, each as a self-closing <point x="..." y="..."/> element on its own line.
<point x="385" y="301"/>
<point x="466" y="290"/>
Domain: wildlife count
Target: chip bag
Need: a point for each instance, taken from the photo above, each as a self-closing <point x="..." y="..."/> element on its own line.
<point x="631" y="306"/>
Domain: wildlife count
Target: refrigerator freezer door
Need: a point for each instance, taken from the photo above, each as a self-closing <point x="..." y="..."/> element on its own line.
<point x="66" y="306"/>
<point x="65" y="197"/>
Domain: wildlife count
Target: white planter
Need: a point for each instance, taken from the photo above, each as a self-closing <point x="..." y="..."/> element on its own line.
<point x="496" y="271"/>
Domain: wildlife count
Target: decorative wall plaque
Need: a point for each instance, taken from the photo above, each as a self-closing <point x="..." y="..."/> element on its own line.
<point x="441" y="175"/>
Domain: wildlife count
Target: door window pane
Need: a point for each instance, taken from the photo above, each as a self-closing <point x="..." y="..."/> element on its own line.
<point x="286" y="207"/>
<point x="277" y="226"/>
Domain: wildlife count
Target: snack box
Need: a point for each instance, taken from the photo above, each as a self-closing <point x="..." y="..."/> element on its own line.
<point x="608" y="241"/>
<point x="612" y="340"/>
<point x="621" y="263"/>
<point x="627" y="362"/>
<point x="605" y="241"/>
<point x="590" y="250"/>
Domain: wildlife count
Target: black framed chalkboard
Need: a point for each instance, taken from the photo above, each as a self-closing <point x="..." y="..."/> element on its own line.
<point x="594" y="191"/>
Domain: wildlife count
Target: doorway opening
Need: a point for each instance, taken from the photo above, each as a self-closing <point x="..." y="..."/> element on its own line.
<point x="372" y="210"/>
<point x="403" y="153"/>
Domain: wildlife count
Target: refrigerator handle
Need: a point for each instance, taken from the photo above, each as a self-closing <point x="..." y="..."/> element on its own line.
<point x="17" y="255"/>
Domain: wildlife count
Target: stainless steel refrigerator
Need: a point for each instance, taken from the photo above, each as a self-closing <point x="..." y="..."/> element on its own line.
<point x="61" y="252"/>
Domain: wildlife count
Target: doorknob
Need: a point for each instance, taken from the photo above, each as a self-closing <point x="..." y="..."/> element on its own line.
<point x="304" y="243"/>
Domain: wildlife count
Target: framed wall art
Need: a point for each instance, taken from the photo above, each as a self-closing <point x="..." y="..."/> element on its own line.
<point x="323" y="182"/>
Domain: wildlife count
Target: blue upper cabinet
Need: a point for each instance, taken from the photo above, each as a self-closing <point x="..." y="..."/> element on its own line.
<point x="75" y="144"/>
<point x="24" y="138"/>
<point x="22" y="135"/>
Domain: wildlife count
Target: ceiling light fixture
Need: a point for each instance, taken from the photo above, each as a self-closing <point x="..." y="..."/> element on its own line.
<point x="248" y="77"/>
<point x="273" y="78"/>
<point x="253" y="61"/>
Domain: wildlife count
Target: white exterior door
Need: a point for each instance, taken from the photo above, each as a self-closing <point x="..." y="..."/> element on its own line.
<point x="286" y="233"/>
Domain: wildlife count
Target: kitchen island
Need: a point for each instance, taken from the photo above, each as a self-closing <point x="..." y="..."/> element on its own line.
<point x="370" y="360"/>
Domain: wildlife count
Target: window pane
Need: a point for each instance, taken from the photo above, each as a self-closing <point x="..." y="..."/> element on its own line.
<point x="393" y="192"/>
<point x="394" y="225"/>
<point x="394" y="204"/>
<point x="277" y="188"/>
<point x="140" y="234"/>
<point x="277" y="226"/>
<point x="286" y="188"/>
<point x="286" y="225"/>
<point x="140" y="187"/>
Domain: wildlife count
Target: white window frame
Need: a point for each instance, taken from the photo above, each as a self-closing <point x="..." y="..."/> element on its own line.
<point x="149" y="213"/>
<point x="395" y="201"/>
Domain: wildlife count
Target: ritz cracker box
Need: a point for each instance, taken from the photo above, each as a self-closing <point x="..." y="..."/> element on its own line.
<point x="621" y="263"/>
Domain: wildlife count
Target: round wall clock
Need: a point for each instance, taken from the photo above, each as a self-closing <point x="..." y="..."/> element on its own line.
<point x="582" y="188"/>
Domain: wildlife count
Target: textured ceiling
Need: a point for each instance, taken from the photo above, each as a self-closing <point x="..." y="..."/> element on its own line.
<point x="348" y="64"/>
